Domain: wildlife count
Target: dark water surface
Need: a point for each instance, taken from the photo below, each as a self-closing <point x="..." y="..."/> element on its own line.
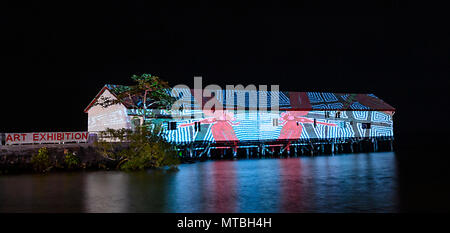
<point x="341" y="183"/>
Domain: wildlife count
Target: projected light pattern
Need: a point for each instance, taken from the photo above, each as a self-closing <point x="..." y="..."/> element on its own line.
<point x="319" y="116"/>
<point x="292" y="125"/>
<point x="242" y="116"/>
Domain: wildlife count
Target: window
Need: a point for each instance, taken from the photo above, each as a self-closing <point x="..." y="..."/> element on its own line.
<point x="275" y="121"/>
<point x="235" y="106"/>
<point x="172" y="125"/>
<point x="327" y="114"/>
<point x="365" y="125"/>
<point x="247" y="101"/>
<point x="197" y="126"/>
<point x="338" y="114"/>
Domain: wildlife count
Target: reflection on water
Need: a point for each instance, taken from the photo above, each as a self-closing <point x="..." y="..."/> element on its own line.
<point x="343" y="183"/>
<point x="105" y="193"/>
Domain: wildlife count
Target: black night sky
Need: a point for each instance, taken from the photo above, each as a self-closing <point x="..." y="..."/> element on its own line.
<point x="57" y="56"/>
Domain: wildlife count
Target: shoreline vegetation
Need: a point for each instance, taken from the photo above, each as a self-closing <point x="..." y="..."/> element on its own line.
<point x="126" y="150"/>
<point x="145" y="147"/>
<point x="142" y="148"/>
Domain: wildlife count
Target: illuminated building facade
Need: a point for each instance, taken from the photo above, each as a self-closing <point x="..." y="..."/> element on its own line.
<point x="301" y="117"/>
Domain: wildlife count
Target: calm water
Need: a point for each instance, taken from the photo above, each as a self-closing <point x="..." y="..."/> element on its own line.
<point x="342" y="183"/>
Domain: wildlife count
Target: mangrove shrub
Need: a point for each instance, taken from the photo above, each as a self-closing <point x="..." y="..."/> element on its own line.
<point x="41" y="161"/>
<point x="142" y="148"/>
<point x="71" y="159"/>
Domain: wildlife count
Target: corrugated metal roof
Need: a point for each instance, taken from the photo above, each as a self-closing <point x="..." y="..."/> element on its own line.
<point x="299" y="101"/>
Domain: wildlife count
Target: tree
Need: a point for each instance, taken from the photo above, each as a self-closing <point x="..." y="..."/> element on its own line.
<point x="41" y="161"/>
<point x="149" y="92"/>
<point x="147" y="148"/>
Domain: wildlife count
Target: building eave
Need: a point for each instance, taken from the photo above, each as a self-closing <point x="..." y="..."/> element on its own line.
<point x="97" y="96"/>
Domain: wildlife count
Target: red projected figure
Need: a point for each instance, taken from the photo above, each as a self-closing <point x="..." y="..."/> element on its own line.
<point x="291" y="120"/>
<point x="292" y="129"/>
<point x="222" y="121"/>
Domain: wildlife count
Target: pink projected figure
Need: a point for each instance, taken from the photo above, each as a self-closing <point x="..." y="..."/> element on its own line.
<point x="292" y="129"/>
<point x="291" y="120"/>
<point x="222" y="121"/>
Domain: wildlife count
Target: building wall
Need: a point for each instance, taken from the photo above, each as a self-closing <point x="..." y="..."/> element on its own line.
<point x="114" y="116"/>
<point x="245" y="126"/>
<point x="258" y="126"/>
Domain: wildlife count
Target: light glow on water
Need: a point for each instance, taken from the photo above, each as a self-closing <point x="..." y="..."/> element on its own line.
<point x="341" y="183"/>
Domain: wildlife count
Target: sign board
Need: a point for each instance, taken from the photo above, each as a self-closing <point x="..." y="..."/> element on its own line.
<point x="46" y="137"/>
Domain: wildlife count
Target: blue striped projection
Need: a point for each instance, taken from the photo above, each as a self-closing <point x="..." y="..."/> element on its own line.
<point x="357" y="105"/>
<point x="286" y="125"/>
<point x="329" y="97"/>
<point x="360" y="115"/>
<point x="314" y="97"/>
